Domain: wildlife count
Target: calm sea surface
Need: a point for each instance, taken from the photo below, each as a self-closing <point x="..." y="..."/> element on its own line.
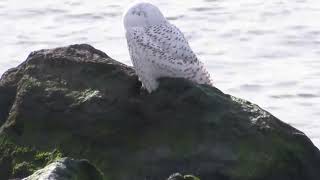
<point x="267" y="52"/>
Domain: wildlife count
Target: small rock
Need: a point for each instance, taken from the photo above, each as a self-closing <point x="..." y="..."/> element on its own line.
<point x="178" y="176"/>
<point x="67" y="169"/>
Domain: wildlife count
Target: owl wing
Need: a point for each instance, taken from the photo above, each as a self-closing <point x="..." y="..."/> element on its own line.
<point x="172" y="41"/>
<point x="166" y="46"/>
<point x="164" y="40"/>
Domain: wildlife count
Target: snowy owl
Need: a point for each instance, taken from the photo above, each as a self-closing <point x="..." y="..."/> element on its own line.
<point x="158" y="48"/>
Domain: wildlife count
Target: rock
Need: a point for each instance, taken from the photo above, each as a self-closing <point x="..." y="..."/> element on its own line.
<point x="178" y="176"/>
<point x="67" y="169"/>
<point x="76" y="101"/>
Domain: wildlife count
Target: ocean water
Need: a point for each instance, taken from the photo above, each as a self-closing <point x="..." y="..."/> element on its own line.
<point x="267" y="52"/>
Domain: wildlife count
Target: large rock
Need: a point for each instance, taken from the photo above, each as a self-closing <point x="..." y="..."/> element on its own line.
<point x="82" y="103"/>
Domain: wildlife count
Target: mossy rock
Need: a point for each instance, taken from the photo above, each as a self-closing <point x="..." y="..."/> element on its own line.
<point x="79" y="102"/>
<point x="21" y="161"/>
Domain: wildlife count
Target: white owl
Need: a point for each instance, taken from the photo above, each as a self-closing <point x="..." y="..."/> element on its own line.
<point x="158" y="48"/>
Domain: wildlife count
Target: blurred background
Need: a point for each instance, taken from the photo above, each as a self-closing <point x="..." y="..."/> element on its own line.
<point x="263" y="51"/>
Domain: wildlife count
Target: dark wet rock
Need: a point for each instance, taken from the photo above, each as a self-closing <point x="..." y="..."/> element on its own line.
<point x="67" y="169"/>
<point x="77" y="102"/>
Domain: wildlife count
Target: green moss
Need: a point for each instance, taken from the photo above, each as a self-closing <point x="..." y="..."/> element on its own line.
<point x="272" y="156"/>
<point x="23" y="169"/>
<point x="42" y="156"/>
<point x="24" y="160"/>
<point x="249" y="166"/>
<point x="29" y="82"/>
<point x="47" y="157"/>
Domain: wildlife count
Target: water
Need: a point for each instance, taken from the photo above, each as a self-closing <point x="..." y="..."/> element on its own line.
<point x="264" y="51"/>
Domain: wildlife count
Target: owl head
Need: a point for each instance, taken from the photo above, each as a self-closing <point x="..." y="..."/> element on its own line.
<point x="142" y="14"/>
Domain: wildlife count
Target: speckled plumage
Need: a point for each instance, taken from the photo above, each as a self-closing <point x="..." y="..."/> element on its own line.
<point x="159" y="49"/>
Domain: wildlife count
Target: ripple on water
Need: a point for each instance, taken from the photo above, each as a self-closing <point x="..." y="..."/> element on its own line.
<point x="276" y="55"/>
<point x="282" y="96"/>
<point x="74" y="3"/>
<point x="217" y="53"/>
<point x="41" y="12"/>
<point x="72" y="33"/>
<point x="244" y="39"/>
<point x="218" y="13"/>
<point x="173" y="18"/>
<point x="111" y="14"/>
<point x="56" y="11"/>
<point x="299" y="95"/>
<point x="114" y="6"/>
<point x="201" y="9"/>
<point x="82" y="16"/>
<point x="251" y="87"/>
<point x="230" y="34"/>
<point x="286" y="84"/>
<point x="301" y="42"/>
<point x="33" y="43"/>
<point x="316" y="42"/>
<point x="212" y="0"/>
<point x="272" y="108"/>
<point x="297" y="27"/>
<point x="258" y="32"/>
<point x="307" y="95"/>
<point x="305" y="104"/>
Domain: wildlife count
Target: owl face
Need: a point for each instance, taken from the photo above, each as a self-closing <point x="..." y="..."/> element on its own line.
<point x="142" y="15"/>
